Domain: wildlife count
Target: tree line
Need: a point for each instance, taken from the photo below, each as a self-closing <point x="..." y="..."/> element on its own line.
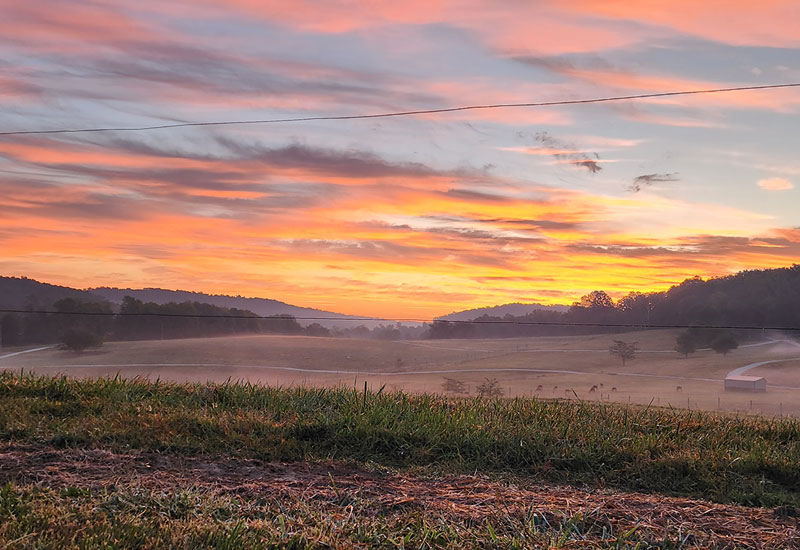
<point x="750" y="298"/>
<point x="137" y="320"/>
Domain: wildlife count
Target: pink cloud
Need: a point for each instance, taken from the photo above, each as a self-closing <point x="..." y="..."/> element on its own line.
<point x="548" y="28"/>
<point x="73" y="27"/>
<point x="737" y="22"/>
<point x="775" y="184"/>
<point x="529" y="27"/>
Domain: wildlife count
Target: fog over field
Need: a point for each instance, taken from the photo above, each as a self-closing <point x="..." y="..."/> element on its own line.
<point x="575" y="368"/>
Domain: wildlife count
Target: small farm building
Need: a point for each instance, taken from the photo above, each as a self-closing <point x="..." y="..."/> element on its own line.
<point x="745" y="383"/>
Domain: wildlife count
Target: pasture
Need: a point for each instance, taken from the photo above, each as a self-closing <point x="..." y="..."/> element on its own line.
<point x="574" y="368"/>
<point x="112" y="463"/>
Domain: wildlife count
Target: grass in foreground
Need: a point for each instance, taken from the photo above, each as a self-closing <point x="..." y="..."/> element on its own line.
<point x="140" y="517"/>
<point x="750" y="461"/>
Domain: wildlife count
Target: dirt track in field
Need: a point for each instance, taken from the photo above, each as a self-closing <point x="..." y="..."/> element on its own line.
<point x="458" y="497"/>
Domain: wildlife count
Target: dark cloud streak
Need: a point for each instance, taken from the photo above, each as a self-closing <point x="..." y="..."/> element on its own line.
<point x="569" y="153"/>
<point x="647" y="180"/>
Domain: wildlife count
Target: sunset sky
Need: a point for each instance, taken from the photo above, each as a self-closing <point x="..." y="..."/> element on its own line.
<point x="403" y="217"/>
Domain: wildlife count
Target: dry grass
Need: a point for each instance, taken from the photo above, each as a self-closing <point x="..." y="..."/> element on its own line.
<point x="246" y="358"/>
<point x="519" y="513"/>
<point x="128" y="464"/>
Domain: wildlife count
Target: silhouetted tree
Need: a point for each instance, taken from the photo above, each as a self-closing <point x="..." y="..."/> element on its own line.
<point x="724" y="343"/>
<point x="626" y="351"/>
<point x="315" y="329"/>
<point x="10" y="330"/>
<point x="490" y="388"/>
<point x="447" y="329"/>
<point x="452" y="385"/>
<point x="78" y="340"/>
<point x="596" y="299"/>
<point x="685" y="343"/>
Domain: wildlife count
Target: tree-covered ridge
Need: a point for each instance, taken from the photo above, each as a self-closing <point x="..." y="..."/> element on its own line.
<point x="756" y="298"/>
<point x="137" y="320"/>
<point x="24" y="293"/>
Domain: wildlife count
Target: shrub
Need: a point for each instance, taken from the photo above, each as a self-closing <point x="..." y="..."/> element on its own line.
<point x="78" y="340"/>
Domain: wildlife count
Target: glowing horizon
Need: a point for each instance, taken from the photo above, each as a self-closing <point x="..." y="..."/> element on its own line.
<point x="401" y="218"/>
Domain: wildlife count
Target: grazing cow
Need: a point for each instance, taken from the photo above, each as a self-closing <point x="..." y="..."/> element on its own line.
<point x="679" y="388"/>
<point x="593" y="389"/>
<point x="539" y="387"/>
<point x="614" y="389"/>
<point x="601" y="384"/>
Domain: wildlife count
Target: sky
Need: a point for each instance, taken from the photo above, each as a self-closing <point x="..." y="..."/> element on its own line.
<point x="403" y="217"/>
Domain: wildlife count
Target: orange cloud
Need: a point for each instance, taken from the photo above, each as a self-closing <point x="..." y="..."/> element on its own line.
<point x="306" y="214"/>
<point x="394" y="250"/>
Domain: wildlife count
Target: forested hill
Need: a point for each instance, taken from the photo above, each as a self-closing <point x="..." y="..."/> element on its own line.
<point x="28" y="294"/>
<point x="24" y="293"/>
<point x="757" y="298"/>
<point x="769" y="297"/>
<point x="259" y="306"/>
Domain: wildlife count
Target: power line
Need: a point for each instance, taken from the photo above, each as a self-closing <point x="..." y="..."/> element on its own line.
<point x="401" y="113"/>
<point x="362" y="319"/>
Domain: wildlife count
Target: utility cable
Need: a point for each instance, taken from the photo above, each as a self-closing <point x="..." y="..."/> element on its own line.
<point x="372" y="319"/>
<point x="400" y="113"/>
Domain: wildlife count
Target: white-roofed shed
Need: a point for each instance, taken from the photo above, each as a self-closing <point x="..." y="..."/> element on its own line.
<point x="746" y="383"/>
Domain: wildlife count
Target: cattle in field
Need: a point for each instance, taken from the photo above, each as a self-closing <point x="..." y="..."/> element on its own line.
<point x="679" y="388"/>
<point x="614" y="388"/>
<point x="539" y="387"/>
<point x="593" y="389"/>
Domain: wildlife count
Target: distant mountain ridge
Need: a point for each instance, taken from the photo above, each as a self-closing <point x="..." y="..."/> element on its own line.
<point x="516" y="309"/>
<point x="259" y="306"/>
<point x="24" y="293"/>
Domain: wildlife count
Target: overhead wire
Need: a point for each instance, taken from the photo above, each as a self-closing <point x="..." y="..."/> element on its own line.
<point x="286" y="317"/>
<point x="400" y="113"/>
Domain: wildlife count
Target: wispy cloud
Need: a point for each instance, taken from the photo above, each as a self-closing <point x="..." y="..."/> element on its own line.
<point x="565" y="152"/>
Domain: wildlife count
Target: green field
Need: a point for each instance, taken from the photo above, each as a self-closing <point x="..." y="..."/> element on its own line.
<point x="165" y="465"/>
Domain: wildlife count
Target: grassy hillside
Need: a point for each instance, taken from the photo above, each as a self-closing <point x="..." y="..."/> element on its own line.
<point x="747" y="461"/>
<point x="118" y="464"/>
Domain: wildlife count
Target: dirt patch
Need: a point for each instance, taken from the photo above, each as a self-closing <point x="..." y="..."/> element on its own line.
<point x="466" y="498"/>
